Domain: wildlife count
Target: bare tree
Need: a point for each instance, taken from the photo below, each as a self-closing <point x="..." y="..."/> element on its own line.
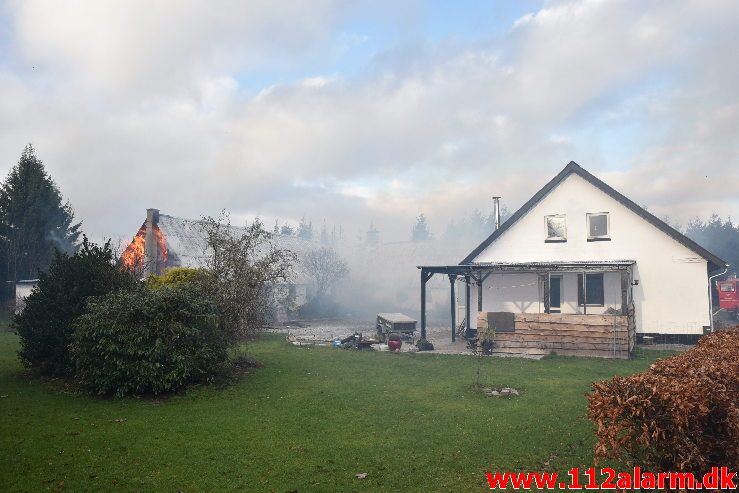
<point x="325" y="267"/>
<point x="245" y="269"/>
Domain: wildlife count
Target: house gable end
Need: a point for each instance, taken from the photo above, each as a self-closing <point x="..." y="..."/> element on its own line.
<point x="714" y="262"/>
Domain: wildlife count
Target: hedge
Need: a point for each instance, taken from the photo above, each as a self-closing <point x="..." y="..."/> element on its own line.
<point x="680" y="415"/>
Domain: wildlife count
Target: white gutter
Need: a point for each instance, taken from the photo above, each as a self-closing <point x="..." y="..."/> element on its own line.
<point x="710" y="293"/>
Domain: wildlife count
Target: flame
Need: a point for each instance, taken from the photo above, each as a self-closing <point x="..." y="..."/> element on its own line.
<point x="133" y="256"/>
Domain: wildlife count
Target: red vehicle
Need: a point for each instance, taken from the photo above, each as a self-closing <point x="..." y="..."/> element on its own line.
<point x="728" y="295"/>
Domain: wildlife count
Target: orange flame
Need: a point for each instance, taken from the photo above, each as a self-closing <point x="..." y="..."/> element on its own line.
<point x="133" y="256"/>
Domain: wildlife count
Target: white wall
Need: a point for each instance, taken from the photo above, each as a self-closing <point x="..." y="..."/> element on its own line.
<point x="22" y="290"/>
<point x="672" y="295"/>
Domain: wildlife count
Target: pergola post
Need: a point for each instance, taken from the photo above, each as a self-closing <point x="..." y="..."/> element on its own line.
<point x="624" y="292"/>
<point x="467" y="310"/>
<point x="479" y="294"/>
<point x="584" y="293"/>
<point x="425" y="276"/>
<point x="452" y="282"/>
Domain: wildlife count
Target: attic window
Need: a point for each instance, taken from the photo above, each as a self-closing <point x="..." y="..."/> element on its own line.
<point x="599" y="226"/>
<point x="556" y="228"/>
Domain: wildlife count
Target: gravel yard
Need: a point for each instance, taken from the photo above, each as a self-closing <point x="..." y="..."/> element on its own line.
<point x="327" y="330"/>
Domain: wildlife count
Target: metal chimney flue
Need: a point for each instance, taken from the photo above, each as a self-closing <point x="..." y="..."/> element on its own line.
<point x="496" y="212"/>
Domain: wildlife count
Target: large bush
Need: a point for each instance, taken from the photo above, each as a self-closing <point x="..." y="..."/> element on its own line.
<point x="45" y="325"/>
<point x="682" y="414"/>
<point x="149" y="340"/>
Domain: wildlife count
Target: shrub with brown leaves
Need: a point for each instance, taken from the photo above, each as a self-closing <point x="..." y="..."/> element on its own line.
<point x="680" y="415"/>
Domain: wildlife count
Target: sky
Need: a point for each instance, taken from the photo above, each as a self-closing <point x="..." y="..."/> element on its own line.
<point x="351" y="112"/>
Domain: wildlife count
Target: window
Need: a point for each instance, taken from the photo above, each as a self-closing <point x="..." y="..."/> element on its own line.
<point x="556" y="228"/>
<point x="598" y="226"/>
<point x="594" y="294"/>
<point x="727" y="287"/>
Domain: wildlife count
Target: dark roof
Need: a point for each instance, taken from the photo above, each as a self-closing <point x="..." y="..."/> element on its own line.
<point x="714" y="262"/>
<point x="558" y="265"/>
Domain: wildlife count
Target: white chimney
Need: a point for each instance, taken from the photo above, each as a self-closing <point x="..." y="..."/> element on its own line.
<point x="496" y="212"/>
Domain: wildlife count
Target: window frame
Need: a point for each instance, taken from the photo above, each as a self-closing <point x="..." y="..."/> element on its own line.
<point x="605" y="237"/>
<point x="554" y="239"/>
<point x="582" y="295"/>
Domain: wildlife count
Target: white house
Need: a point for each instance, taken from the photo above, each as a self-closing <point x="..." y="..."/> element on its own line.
<point x="579" y="247"/>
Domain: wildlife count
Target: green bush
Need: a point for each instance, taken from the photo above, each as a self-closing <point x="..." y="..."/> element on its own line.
<point x="424" y="345"/>
<point x="177" y="276"/>
<point x="45" y="326"/>
<point x="146" y="340"/>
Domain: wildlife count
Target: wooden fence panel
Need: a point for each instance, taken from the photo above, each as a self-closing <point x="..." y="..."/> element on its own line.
<point x="600" y="336"/>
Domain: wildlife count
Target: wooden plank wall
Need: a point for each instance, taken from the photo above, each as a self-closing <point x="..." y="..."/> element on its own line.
<point x="600" y="336"/>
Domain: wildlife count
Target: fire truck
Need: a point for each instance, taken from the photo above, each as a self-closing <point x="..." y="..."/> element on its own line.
<point x="728" y="295"/>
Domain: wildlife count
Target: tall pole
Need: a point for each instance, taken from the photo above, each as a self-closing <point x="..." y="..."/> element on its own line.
<point x="452" y="281"/>
<point x="467" y="310"/>
<point x="424" y="278"/>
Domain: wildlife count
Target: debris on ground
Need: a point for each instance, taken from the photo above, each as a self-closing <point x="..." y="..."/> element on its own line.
<point x="504" y="392"/>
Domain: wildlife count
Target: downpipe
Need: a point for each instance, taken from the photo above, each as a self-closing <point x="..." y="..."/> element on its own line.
<point x="710" y="294"/>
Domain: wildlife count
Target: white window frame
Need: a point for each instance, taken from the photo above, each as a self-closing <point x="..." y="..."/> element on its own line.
<point x="554" y="239"/>
<point x="606" y="236"/>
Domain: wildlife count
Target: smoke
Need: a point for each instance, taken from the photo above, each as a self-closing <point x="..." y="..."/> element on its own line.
<point x="386" y="278"/>
<point x="384" y="275"/>
<point x="60" y="242"/>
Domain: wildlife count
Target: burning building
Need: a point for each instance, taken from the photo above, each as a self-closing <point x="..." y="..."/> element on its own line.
<point x="165" y="241"/>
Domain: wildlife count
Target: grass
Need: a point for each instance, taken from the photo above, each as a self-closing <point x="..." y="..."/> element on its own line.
<point x="308" y="421"/>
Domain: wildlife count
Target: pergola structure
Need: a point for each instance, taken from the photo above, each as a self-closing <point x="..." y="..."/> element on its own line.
<point x="479" y="272"/>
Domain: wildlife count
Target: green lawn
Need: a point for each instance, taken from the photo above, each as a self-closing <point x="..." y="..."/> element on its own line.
<point x="308" y="421"/>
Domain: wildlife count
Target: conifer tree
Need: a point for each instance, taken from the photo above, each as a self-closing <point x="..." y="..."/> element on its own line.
<point x="421" y="230"/>
<point x="34" y="220"/>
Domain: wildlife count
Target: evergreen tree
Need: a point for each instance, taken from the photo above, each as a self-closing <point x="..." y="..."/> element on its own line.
<point x="420" y="231"/>
<point x="476" y="227"/>
<point x="325" y="238"/>
<point x="34" y="220"/>
<point x="305" y="229"/>
<point x="718" y="236"/>
<point x="372" y="238"/>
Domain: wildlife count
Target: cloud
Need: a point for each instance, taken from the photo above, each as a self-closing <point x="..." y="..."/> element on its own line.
<point x="135" y="105"/>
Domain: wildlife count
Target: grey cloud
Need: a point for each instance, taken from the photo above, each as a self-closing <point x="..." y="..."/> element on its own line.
<point x="136" y="117"/>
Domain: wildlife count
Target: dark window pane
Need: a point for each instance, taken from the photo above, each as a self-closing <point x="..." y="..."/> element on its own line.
<point x="594" y="288"/>
<point x="555" y="290"/>
<point x="598" y="225"/>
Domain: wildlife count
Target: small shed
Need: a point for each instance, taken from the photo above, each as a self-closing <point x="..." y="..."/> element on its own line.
<point x="23" y="288"/>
